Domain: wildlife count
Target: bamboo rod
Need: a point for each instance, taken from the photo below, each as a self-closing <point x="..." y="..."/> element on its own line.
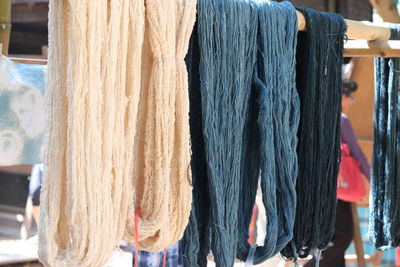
<point x="5" y="11"/>
<point x="362" y="48"/>
<point x="5" y="24"/>
<point x="356" y="29"/>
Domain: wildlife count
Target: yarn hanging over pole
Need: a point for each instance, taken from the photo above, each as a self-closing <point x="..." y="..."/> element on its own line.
<point x="319" y="64"/>
<point x="86" y="192"/>
<point x="227" y="48"/>
<point x="271" y="138"/>
<point x="196" y="241"/>
<point x="385" y="187"/>
<point x="118" y="134"/>
<point x="232" y="110"/>
<point x="163" y="175"/>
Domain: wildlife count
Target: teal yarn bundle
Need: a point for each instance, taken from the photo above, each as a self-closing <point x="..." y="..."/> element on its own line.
<point x="244" y="112"/>
<point x="227" y="47"/>
<point x="384" y="222"/>
<point x="319" y="64"/>
<point x="196" y="240"/>
<point x="270" y="141"/>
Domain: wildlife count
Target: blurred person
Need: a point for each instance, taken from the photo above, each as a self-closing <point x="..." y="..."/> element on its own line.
<point x="35" y="185"/>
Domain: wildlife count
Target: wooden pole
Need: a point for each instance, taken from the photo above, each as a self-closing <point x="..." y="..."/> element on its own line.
<point x="356" y="29"/>
<point x="362" y="48"/>
<point x="5" y="24"/>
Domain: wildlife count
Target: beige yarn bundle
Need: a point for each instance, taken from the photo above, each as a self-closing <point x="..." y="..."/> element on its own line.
<point x="166" y="145"/>
<point x="118" y="134"/>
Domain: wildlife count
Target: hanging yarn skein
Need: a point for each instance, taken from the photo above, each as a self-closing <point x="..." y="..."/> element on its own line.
<point x="271" y="139"/>
<point x="384" y="204"/>
<point x="319" y="63"/>
<point x="86" y="192"/>
<point x="118" y="135"/>
<point x="196" y="241"/>
<point x="227" y="48"/>
<point x="163" y="177"/>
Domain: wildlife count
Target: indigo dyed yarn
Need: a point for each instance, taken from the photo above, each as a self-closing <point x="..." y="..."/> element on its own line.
<point x="227" y="33"/>
<point x="384" y="223"/>
<point x="196" y="241"/>
<point x="319" y="64"/>
<point x="271" y="136"/>
<point x="244" y="111"/>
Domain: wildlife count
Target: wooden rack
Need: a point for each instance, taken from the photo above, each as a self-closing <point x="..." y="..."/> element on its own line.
<point x="372" y="39"/>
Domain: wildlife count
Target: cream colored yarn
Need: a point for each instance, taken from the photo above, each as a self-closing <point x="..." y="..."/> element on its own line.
<point x="118" y="128"/>
<point x="118" y="135"/>
<point x="163" y="189"/>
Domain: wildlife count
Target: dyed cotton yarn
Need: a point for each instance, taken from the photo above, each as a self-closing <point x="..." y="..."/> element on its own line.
<point x="248" y="111"/>
<point x="196" y="241"/>
<point x="271" y="136"/>
<point x="385" y="187"/>
<point x="99" y="164"/>
<point x="227" y="48"/>
<point x="319" y="63"/>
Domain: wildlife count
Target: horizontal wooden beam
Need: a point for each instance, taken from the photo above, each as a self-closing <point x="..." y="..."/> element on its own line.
<point x="362" y="48"/>
<point x="356" y="29"/>
<point x="17" y="169"/>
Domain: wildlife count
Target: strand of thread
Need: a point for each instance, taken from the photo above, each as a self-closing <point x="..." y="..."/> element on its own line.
<point x="137" y="213"/>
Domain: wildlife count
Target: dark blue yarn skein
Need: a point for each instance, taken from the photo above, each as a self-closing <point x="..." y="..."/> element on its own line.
<point x="227" y="46"/>
<point x="384" y="223"/>
<point x="196" y="240"/>
<point x="271" y="138"/>
<point x="319" y="63"/>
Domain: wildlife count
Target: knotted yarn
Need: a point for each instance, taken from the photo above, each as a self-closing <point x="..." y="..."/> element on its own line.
<point x="318" y="77"/>
<point x="271" y="138"/>
<point x="384" y="203"/>
<point x="118" y="134"/>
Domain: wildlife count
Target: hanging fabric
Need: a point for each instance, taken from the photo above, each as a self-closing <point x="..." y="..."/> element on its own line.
<point x="22" y="115"/>
<point x="319" y="64"/>
<point x="270" y="138"/>
<point x="98" y="168"/>
<point x="384" y="203"/>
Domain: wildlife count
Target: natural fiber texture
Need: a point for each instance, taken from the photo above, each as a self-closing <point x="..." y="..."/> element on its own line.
<point x="237" y="127"/>
<point x="227" y="47"/>
<point x="319" y="64"/>
<point x="196" y="241"/>
<point x="271" y="138"/>
<point x="385" y="187"/>
<point x="163" y="187"/>
<point x="97" y="96"/>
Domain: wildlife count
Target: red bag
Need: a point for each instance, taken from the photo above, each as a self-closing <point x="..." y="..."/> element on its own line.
<point x="351" y="186"/>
